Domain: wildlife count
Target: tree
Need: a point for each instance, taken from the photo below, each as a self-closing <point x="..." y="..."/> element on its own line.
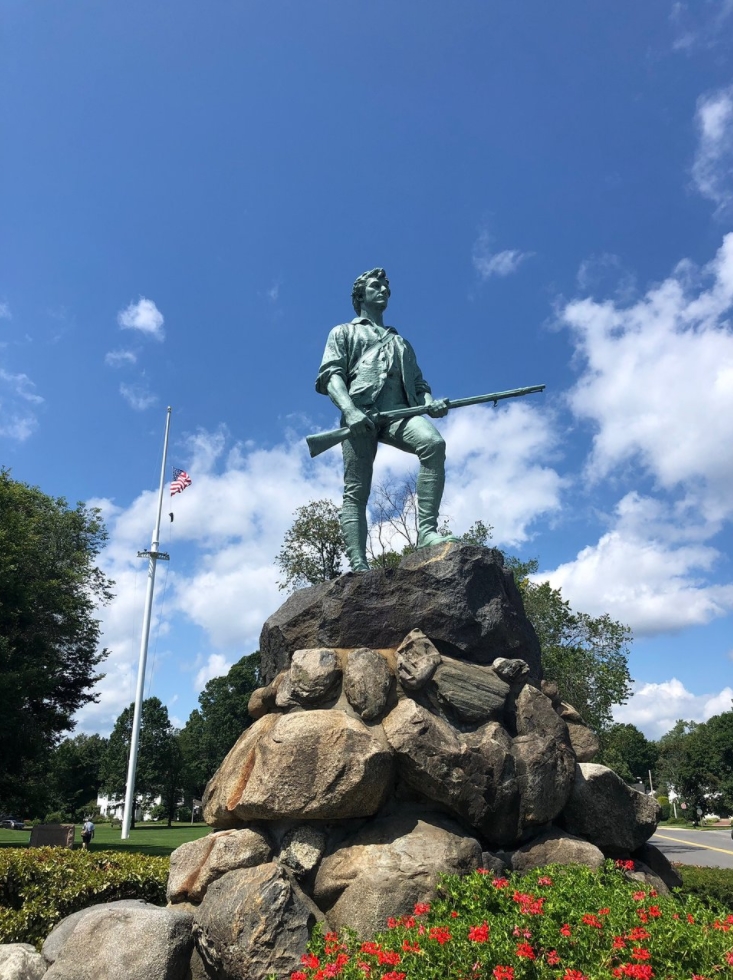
<point x="50" y="587"/>
<point x="587" y="656"/>
<point x="628" y="752"/>
<point x="214" y="727"/>
<point x="697" y="762"/>
<point x="158" y="768"/>
<point x="313" y="548"/>
<point x="75" y="774"/>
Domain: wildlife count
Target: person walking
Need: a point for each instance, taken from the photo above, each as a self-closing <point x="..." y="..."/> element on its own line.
<point x="87" y="832"/>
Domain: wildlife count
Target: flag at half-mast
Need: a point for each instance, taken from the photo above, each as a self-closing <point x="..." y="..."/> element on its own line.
<point x="180" y="481"/>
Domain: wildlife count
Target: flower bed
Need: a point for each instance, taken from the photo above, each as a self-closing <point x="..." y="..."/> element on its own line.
<point x="562" y="922"/>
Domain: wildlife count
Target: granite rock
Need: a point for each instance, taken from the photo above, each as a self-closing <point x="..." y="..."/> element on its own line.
<point x="417" y="660"/>
<point x="196" y="864"/>
<point x="20" y="961"/>
<point x="556" y="847"/>
<point x="367" y="682"/>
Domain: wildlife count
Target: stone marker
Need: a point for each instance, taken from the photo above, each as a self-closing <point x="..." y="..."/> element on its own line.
<point x="53" y="835"/>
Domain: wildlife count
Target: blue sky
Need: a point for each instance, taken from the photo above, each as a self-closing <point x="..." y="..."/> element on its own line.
<point x="188" y="192"/>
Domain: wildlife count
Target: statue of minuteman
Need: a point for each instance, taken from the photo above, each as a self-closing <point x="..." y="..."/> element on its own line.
<point x="369" y="366"/>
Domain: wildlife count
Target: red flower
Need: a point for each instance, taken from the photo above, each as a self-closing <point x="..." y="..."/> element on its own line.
<point x="392" y="923"/>
<point x="592" y="920"/>
<point x="544" y="880"/>
<point x="639" y="896"/>
<point x="641" y="954"/>
<point x="565" y="930"/>
<point x="331" y="970"/>
<point x="524" y="950"/>
<point x="454" y="915"/>
<point x="604" y="911"/>
<point x="552" y="958"/>
<point x="655" y="912"/>
<point x="500" y="883"/>
<point x="388" y="959"/>
<point x="422" y="908"/>
<point x="690" y="918"/>
<point x="369" y="947"/>
<point x="503" y="972"/>
<point x="409" y="947"/>
<point x="408" y="922"/>
<point x="637" y="933"/>
<point x="574" y="975"/>
<point x="309" y="960"/>
<point x="618" y="942"/>
<point x="440" y="934"/>
<point x="479" y="934"/>
<point x="364" y="967"/>
<point x="342" y="959"/>
<point x="625" y="865"/>
<point x="298" y="975"/>
<point x="393" y="975"/>
<point x="637" y="970"/>
<point x="729" y="959"/>
<point x="653" y="892"/>
<point x="331" y="937"/>
<point x="482" y="871"/>
<point x="642" y="915"/>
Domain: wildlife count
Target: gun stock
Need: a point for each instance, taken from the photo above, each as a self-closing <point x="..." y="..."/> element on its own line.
<point x="319" y="442"/>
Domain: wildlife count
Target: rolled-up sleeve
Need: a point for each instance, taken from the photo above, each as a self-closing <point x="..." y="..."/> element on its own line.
<point x="334" y="361"/>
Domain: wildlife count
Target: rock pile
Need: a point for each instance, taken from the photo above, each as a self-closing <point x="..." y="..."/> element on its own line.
<point x="404" y="731"/>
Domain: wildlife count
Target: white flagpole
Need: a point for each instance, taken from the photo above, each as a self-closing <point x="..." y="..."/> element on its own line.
<point x="153" y="557"/>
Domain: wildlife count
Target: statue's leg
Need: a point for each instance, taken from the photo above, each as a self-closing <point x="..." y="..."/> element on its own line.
<point x="359" y="456"/>
<point x="419" y="436"/>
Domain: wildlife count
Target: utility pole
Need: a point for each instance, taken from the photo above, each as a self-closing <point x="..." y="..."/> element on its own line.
<point x="153" y="556"/>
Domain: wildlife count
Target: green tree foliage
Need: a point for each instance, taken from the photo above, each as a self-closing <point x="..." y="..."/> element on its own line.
<point x="587" y="656"/>
<point x="628" y="752"/>
<point x="158" y="761"/>
<point x="214" y="727"/>
<point x="696" y="760"/>
<point x="313" y="547"/>
<point x="50" y="587"/>
<point x="75" y="775"/>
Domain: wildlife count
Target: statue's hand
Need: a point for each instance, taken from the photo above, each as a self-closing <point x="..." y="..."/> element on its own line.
<point x="437" y="409"/>
<point x="359" y="423"/>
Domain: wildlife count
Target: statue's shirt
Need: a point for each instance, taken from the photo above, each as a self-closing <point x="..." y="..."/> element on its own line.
<point x="364" y="371"/>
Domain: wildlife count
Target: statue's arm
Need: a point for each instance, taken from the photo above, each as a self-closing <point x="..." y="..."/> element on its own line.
<point x="332" y="381"/>
<point x="356" y="420"/>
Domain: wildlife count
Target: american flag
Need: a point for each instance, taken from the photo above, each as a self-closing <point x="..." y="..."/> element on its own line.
<point x="181" y="480"/>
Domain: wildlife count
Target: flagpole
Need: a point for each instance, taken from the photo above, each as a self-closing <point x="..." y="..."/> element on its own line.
<point x="153" y="557"/>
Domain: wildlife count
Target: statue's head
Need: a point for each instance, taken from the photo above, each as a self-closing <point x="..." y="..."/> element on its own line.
<point x="359" y="290"/>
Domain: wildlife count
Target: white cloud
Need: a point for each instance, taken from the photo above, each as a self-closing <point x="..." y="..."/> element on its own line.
<point x="138" y="396"/>
<point x="488" y="263"/>
<point x="18" y="419"/>
<point x="655" y="708"/>
<point x="698" y="25"/>
<point x="656" y="385"/>
<point x="649" y="572"/>
<point x="712" y="169"/>
<point x="120" y="358"/>
<point x="143" y="316"/>
<point x="215" y="666"/>
<point x="5" y="313"/>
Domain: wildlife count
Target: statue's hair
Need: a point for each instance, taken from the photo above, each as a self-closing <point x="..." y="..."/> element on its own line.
<point x="357" y="293"/>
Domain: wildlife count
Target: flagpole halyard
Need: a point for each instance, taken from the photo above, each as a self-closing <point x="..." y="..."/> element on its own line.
<point x="153" y="557"/>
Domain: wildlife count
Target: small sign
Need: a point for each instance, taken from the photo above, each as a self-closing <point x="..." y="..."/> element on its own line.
<point x="699" y="811"/>
<point x="53" y="835"/>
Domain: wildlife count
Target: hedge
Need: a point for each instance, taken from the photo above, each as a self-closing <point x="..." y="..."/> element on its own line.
<point x="40" y="886"/>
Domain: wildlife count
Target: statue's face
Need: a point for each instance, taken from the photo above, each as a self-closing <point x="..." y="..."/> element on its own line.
<point x="376" y="293"/>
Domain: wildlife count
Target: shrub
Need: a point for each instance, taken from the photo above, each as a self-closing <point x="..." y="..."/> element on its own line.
<point x="666" y="808"/>
<point x="40" y="886"/>
<point x="712" y="886"/>
<point x="556" y="923"/>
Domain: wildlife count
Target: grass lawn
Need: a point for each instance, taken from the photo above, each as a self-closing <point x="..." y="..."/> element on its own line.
<point x="147" y="838"/>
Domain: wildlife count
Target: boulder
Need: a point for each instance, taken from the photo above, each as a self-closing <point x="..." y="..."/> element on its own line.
<point x="467" y="693"/>
<point x="261" y="702"/>
<point x="474" y="779"/>
<point x="555" y="847"/>
<point x="644" y="875"/>
<point x="511" y="671"/>
<point x="545" y="768"/>
<point x="584" y="742"/>
<point x="126" y="944"/>
<point x="367" y="681"/>
<point x="608" y="812"/>
<point x="459" y="595"/>
<point x="494" y="863"/>
<point x="252" y="923"/>
<point x="656" y="861"/>
<point x="534" y="715"/>
<point x="302" y="849"/>
<point x="199" y="862"/>
<point x="314" y="675"/>
<point x="319" y="764"/>
<point x="389" y="865"/>
<point x="62" y="930"/>
<point x="20" y="961"/>
<point x="417" y="659"/>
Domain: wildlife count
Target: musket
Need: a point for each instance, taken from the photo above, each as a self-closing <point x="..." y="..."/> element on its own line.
<point x="319" y="442"/>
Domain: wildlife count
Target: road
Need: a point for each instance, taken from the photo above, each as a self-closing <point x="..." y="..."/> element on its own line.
<point x="712" y="848"/>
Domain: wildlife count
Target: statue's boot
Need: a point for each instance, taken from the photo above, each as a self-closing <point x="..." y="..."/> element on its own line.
<point x="354" y="528"/>
<point x="430" y="484"/>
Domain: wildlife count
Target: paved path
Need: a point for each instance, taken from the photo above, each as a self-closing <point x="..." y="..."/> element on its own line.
<point x="712" y="848"/>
